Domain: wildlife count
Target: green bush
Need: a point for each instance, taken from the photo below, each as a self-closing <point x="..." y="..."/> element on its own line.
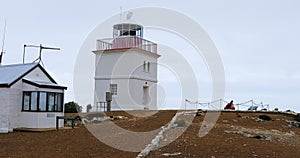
<point x="72" y="107"/>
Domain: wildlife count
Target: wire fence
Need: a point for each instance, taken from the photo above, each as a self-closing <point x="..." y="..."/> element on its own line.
<point x="221" y="103"/>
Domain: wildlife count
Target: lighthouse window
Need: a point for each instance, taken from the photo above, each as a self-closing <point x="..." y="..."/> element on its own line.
<point x="132" y="33"/>
<point x="113" y="89"/>
<point x="148" y="67"/>
<point x="145" y="65"/>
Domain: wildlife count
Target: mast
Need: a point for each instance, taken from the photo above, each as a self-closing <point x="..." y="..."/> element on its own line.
<point x="3" y="42"/>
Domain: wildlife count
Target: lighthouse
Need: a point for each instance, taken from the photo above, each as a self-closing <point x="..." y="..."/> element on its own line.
<point x="126" y="68"/>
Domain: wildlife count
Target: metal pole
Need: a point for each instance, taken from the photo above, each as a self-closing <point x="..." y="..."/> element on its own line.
<point x="40" y="55"/>
<point x="24" y="53"/>
<point x="108" y="100"/>
<point x="185" y="105"/>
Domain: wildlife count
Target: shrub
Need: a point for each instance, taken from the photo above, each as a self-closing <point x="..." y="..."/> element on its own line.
<point x="297" y="118"/>
<point x="72" y="107"/>
<point x="265" y="117"/>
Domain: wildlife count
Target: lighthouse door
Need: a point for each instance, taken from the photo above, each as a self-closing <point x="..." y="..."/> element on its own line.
<point x="145" y="95"/>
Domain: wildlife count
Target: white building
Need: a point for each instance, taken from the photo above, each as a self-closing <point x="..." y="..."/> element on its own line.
<point x="29" y="98"/>
<point x="126" y="66"/>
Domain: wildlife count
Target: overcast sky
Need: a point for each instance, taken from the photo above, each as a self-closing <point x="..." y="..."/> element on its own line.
<point x="257" y="40"/>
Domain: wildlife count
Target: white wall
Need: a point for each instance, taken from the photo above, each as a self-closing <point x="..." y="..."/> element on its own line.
<point x="40" y="119"/>
<point x="4" y="101"/>
<point x="129" y="94"/>
<point x="125" y="63"/>
<point x="37" y="75"/>
<point x="15" y="104"/>
<point x="125" y="68"/>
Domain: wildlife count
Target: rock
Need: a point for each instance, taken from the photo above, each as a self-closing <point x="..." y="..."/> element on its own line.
<point x="292" y="124"/>
<point x="275" y="131"/>
<point x="245" y="117"/>
<point x="180" y="123"/>
<point x="228" y="132"/>
<point x="248" y="135"/>
<point x="297" y="117"/>
<point x="171" y="154"/>
<point x="290" y="134"/>
<point x="259" y="120"/>
<point x="225" y="121"/>
<point x="269" y="138"/>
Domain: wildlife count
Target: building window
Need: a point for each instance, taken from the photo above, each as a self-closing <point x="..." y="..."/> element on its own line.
<point x="42" y="101"/>
<point x="113" y="89"/>
<point x="33" y="101"/>
<point x="36" y="101"/>
<point x="50" y="98"/>
<point x="58" y="101"/>
<point x="26" y="100"/>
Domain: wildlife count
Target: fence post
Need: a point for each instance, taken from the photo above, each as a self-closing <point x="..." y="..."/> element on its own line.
<point x="57" y="126"/>
<point x="185" y="105"/>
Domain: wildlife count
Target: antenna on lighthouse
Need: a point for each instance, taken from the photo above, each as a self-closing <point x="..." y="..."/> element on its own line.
<point x="39" y="59"/>
<point x="3" y="42"/>
<point x="129" y="15"/>
<point x="121" y="12"/>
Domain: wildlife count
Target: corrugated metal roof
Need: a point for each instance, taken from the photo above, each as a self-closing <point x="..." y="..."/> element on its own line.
<point x="11" y="73"/>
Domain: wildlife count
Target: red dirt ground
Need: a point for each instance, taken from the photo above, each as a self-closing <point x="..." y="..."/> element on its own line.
<point x="79" y="142"/>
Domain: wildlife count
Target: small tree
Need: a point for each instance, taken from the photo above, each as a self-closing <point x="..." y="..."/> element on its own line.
<point x="72" y="107"/>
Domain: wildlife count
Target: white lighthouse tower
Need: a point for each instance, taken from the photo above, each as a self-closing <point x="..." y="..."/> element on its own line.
<point x="126" y="66"/>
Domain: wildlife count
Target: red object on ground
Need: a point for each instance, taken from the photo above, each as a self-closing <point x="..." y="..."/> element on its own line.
<point x="230" y="106"/>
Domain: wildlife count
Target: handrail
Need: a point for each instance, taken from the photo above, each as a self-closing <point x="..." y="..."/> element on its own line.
<point x="126" y="42"/>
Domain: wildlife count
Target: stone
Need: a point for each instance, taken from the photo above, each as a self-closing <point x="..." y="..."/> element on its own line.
<point x="259" y="120"/>
<point x="290" y="134"/>
<point x="225" y="121"/>
<point x="171" y="154"/>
